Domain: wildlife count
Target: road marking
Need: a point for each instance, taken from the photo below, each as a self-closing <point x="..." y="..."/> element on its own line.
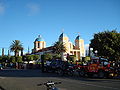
<point x="100" y="86"/>
<point x="89" y="84"/>
<point x="2" y="77"/>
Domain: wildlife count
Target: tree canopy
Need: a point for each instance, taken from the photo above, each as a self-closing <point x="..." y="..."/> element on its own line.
<point x="19" y="59"/>
<point x="47" y="56"/>
<point x="36" y="57"/>
<point x="59" y="47"/>
<point x="29" y="58"/>
<point x="107" y="43"/>
<point x="16" y="46"/>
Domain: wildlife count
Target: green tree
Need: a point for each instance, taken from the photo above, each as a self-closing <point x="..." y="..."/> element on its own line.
<point x="12" y="59"/>
<point x="58" y="47"/>
<point x="19" y="59"/>
<point x="29" y="58"/>
<point x="1" y="59"/>
<point x="107" y="44"/>
<point x="56" y="56"/>
<point x="43" y="57"/>
<point x="16" y="47"/>
<point x="5" y="58"/>
<point x="47" y="56"/>
<point x="36" y="57"/>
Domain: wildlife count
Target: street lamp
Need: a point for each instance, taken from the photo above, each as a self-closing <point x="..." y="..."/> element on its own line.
<point x="96" y="52"/>
<point x="90" y="51"/>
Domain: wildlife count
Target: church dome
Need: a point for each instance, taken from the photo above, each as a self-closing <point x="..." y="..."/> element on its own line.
<point x="39" y="38"/>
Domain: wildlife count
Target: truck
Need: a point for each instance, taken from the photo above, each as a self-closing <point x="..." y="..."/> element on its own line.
<point x="96" y="66"/>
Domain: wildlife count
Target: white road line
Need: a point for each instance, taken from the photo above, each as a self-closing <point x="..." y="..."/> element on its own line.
<point x="89" y="84"/>
<point x="100" y="86"/>
<point x="2" y="77"/>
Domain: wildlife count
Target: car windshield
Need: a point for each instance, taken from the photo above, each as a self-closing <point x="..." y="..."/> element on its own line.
<point x="106" y="63"/>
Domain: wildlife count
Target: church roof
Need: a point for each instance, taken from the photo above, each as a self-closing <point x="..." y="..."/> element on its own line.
<point x="39" y="38"/>
<point x="62" y="35"/>
<point x="78" y="37"/>
<point x="45" y="49"/>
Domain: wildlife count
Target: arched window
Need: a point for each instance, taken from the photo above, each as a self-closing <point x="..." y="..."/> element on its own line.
<point x="38" y="45"/>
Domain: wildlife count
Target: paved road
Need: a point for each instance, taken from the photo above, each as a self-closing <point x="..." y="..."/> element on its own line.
<point x="28" y="80"/>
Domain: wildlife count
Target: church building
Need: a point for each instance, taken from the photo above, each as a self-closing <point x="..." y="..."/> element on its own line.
<point x="78" y="49"/>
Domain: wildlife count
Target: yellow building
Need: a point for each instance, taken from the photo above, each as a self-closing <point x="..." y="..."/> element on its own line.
<point x="39" y="44"/>
<point x="71" y="49"/>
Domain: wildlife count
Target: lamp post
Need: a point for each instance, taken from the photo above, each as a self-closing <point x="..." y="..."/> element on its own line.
<point x="90" y="51"/>
<point x="96" y="52"/>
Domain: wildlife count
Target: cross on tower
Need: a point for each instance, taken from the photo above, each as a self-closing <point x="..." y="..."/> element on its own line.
<point x="39" y="36"/>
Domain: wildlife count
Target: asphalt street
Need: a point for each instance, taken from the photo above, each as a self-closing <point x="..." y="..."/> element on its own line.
<point x="28" y="80"/>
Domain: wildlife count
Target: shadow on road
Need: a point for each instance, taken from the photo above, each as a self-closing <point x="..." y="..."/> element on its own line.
<point x="25" y="73"/>
<point x="38" y="73"/>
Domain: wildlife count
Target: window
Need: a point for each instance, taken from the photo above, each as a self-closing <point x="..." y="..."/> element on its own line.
<point x="38" y="45"/>
<point x="43" y="45"/>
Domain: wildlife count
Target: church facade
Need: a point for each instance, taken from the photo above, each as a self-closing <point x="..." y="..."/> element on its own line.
<point x="76" y="49"/>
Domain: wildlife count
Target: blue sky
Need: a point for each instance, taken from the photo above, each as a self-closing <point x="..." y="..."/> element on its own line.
<point x="24" y="20"/>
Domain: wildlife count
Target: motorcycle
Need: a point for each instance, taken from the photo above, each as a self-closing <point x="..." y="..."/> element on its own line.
<point x="50" y="85"/>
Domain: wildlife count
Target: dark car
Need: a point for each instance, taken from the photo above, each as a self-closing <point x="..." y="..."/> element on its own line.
<point x="53" y="66"/>
<point x="60" y="67"/>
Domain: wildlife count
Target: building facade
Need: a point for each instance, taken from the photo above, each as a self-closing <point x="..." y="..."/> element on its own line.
<point x="77" y="50"/>
<point x="39" y="44"/>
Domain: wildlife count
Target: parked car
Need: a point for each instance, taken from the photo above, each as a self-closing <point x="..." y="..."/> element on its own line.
<point x="60" y="67"/>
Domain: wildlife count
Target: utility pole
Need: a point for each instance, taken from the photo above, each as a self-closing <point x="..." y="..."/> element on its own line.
<point x="2" y="51"/>
<point x="8" y="52"/>
<point x="28" y="50"/>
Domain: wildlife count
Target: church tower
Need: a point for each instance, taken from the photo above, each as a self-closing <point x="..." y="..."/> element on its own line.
<point x="65" y="40"/>
<point x="79" y="44"/>
<point x="39" y="43"/>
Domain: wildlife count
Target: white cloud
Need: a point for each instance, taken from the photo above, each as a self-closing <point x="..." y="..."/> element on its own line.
<point x="33" y="9"/>
<point x="2" y="8"/>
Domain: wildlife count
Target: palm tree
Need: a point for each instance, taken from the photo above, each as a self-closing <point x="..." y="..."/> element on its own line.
<point x="58" y="47"/>
<point x="16" y="47"/>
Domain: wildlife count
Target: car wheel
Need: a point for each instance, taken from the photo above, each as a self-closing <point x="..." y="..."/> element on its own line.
<point x="70" y="73"/>
<point x="82" y="73"/>
<point x="101" y="74"/>
<point x="45" y="70"/>
<point x="60" y="72"/>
